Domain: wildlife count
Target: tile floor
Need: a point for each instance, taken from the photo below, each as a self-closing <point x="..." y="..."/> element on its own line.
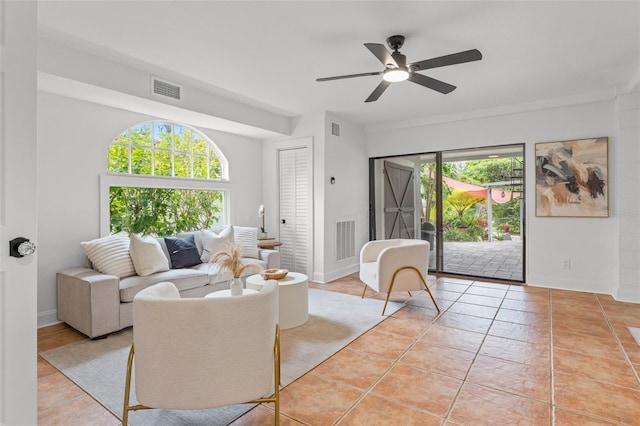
<point x="498" y="354"/>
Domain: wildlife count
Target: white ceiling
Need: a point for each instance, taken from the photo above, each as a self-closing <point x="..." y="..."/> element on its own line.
<point x="268" y="54"/>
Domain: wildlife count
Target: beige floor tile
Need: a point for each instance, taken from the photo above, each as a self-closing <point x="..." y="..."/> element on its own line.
<point x="604" y="400"/>
<point x="464" y="322"/>
<point x="81" y="411"/>
<point x="617" y="372"/>
<point x="403" y="326"/>
<point x="516" y="351"/>
<point x="376" y="411"/>
<point x="531" y="381"/>
<point x="419" y="388"/>
<point x="474" y="310"/>
<point x="487" y="292"/>
<point x="527" y="306"/>
<point x="525" y="333"/>
<point x="478" y="405"/>
<point x="456" y="338"/>
<point x="355" y="368"/>
<point x="597" y="346"/>
<point x="476" y="299"/>
<point x="522" y="317"/>
<point x="448" y="361"/>
<point x="316" y="400"/>
<point x="568" y="418"/>
<point x="386" y="345"/>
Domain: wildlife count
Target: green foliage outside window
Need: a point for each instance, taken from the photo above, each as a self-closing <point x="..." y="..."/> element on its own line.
<point x="164" y="149"/>
<point x="163" y="211"/>
<point x="169" y="150"/>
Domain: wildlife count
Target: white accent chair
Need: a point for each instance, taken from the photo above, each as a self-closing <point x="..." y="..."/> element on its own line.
<point x="198" y="353"/>
<point x="395" y="265"/>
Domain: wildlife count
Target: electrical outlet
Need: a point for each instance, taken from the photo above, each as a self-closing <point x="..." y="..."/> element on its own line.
<point x="566" y="264"/>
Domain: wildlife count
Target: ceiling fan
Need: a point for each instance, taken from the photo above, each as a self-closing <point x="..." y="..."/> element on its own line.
<point x="397" y="69"/>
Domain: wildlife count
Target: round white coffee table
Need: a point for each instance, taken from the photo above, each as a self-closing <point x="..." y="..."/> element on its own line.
<point x="294" y="297"/>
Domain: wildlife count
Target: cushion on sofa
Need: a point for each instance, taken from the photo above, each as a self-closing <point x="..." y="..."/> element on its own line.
<point x="184" y="279"/>
<point x="147" y="255"/>
<point x="247" y="239"/>
<point x="110" y="255"/>
<point x="213" y="242"/>
<point x="182" y="252"/>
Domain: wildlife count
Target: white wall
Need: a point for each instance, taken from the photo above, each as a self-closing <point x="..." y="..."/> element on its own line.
<point x="590" y="244"/>
<point x="344" y="158"/>
<point x="627" y="160"/>
<point x="348" y="198"/>
<point x="72" y="148"/>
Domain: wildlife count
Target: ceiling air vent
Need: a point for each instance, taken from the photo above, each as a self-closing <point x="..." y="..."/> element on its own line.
<point x="164" y="88"/>
<point x="335" y="129"/>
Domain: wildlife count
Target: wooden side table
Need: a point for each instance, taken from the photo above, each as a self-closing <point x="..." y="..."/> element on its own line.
<point x="268" y="244"/>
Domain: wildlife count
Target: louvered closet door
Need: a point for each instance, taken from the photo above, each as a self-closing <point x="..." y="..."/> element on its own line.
<point x="294" y="208"/>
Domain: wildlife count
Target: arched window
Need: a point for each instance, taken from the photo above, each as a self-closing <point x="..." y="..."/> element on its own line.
<point x="166" y="149"/>
<point x="162" y="180"/>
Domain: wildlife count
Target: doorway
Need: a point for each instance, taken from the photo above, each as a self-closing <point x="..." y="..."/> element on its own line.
<point x="294" y="182"/>
<point x="470" y="208"/>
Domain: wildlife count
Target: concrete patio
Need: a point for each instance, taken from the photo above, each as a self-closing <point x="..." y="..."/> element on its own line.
<point x="496" y="259"/>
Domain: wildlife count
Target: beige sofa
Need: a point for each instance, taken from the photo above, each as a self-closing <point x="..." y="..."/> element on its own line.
<point x="97" y="299"/>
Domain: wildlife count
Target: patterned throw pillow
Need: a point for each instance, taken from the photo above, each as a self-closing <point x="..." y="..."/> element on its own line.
<point x="183" y="252"/>
<point x="110" y="255"/>
<point x="147" y="255"/>
<point x="247" y="239"/>
<point x="213" y="242"/>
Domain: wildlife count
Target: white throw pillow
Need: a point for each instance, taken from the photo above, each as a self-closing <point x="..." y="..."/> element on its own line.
<point x="110" y="255"/>
<point x="147" y="255"/>
<point x="247" y="239"/>
<point x="213" y="242"/>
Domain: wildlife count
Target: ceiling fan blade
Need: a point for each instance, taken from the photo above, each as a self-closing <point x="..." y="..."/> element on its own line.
<point x="378" y="91"/>
<point x="443" y="61"/>
<point x="381" y="53"/>
<point x="339" y="77"/>
<point x="431" y="83"/>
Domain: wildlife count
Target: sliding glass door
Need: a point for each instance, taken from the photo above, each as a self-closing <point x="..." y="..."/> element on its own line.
<point x="466" y="203"/>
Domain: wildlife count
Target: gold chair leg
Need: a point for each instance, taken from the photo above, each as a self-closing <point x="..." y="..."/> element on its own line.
<point x="424" y="283"/>
<point x="364" y="291"/>
<point x="275" y="398"/>
<point x="127" y="389"/>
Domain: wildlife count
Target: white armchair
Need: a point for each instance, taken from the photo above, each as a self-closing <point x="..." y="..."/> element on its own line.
<point x="395" y="265"/>
<point x="197" y="353"/>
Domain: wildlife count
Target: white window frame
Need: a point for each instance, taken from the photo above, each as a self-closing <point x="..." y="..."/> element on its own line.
<point x="223" y="160"/>
<point x="111" y="179"/>
<point x="137" y="181"/>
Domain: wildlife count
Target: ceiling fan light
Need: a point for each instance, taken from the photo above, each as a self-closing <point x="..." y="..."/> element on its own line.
<point x="395" y="74"/>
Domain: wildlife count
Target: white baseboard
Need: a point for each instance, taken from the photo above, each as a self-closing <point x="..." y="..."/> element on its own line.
<point x="561" y="284"/>
<point x="48" y="318"/>
<point x="334" y="275"/>
<point x="626" y="294"/>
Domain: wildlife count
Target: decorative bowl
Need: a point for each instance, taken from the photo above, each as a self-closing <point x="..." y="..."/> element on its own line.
<point x="275" y="274"/>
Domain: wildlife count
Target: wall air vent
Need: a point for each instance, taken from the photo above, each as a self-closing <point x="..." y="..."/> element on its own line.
<point x="345" y="239"/>
<point x="166" y="89"/>
<point x="335" y="129"/>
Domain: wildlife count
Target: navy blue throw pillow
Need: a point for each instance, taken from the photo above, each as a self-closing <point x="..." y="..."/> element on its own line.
<point x="183" y="252"/>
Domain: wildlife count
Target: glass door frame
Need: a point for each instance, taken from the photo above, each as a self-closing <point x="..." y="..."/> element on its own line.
<point x="439" y="225"/>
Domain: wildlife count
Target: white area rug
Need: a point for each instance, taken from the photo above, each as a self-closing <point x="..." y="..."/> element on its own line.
<point x="335" y="320"/>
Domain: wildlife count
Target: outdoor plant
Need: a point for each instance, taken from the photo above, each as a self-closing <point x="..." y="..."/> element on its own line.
<point x="163" y="211"/>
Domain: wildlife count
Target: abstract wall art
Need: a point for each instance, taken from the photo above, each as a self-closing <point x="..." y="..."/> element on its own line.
<point x="572" y="178"/>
